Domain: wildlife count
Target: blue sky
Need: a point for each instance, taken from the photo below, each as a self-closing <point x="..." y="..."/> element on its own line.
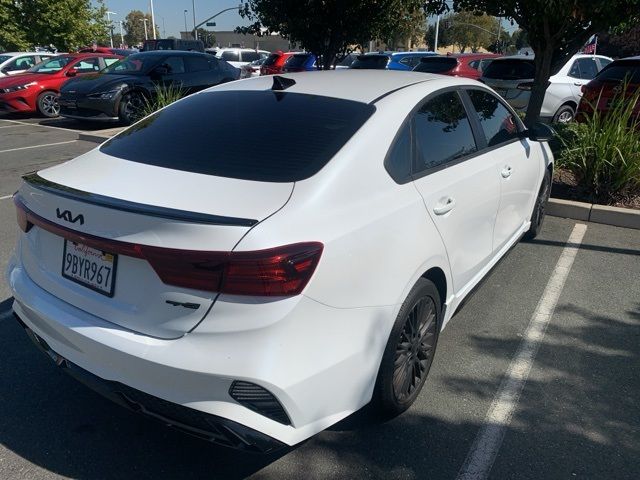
<point x="173" y="13"/>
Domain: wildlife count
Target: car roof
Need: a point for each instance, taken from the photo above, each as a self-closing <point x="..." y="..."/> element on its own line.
<point x="413" y="54"/>
<point x="17" y="54"/>
<point x="348" y="84"/>
<point x="171" y="52"/>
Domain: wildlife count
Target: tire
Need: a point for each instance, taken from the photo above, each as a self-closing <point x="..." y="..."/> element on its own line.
<point x="409" y="353"/>
<point x="565" y="114"/>
<point x="47" y="104"/>
<point x="539" y="208"/>
<point x="131" y="108"/>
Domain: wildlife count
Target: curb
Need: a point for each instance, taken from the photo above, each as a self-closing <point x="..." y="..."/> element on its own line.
<point x="588" y="212"/>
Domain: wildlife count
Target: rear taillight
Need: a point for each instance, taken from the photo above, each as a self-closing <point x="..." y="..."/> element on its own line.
<point x="280" y="271"/>
<point x="21" y="216"/>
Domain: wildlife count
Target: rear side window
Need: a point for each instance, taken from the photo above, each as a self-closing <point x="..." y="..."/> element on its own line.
<point x="498" y="123"/>
<point x="410" y="61"/>
<point x="436" y="65"/>
<point x="196" y="63"/>
<point x="510" y="69"/>
<point x="398" y="161"/>
<point x="175" y="65"/>
<point x="231" y="56"/>
<point x="236" y="142"/>
<point x="442" y="131"/>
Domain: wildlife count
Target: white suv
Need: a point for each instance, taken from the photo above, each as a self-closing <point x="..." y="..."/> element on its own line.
<point x="12" y="63"/>
<point x="255" y="297"/>
<point x="512" y="77"/>
<point x="238" y="57"/>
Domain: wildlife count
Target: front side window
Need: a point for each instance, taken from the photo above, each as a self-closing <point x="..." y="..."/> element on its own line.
<point x="174" y="65"/>
<point x="250" y="56"/>
<point x="584" y="68"/>
<point x="196" y="63"/>
<point x="497" y="122"/>
<point x="88" y="65"/>
<point x="442" y="131"/>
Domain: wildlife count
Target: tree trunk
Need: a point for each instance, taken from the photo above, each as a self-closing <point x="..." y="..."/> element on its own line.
<point x="543" y="59"/>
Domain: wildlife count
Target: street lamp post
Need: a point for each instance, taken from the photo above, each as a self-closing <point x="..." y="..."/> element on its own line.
<point x="121" y="35"/>
<point x="110" y="26"/>
<point x="144" y="20"/>
<point x="185" y="22"/>
<point x="153" y="19"/>
<point x="195" y="30"/>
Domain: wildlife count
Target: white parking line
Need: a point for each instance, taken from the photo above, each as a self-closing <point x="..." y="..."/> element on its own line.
<point x="44" y="126"/>
<point x="11" y="126"/>
<point x="6" y="197"/>
<point x="488" y="441"/>
<point x="38" y="146"/>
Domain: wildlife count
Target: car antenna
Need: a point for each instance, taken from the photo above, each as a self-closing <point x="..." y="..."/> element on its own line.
<point x="282" y="83"/>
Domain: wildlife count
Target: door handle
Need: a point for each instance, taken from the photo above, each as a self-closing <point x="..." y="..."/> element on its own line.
<point x="578" y="84"/>
<point x="443" y="208"/>
<point x="506" y="172"/>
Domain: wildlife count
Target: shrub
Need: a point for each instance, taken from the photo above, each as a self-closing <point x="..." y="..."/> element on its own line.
<point x="164" y="95"/>
<point x="603" y="152"/>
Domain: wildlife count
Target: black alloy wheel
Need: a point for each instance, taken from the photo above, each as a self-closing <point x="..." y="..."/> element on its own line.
<point x="131" y="107"/>
<point x="540" y="207"/>
<point x="414" y="350"/>
<point x="409" y="351"/>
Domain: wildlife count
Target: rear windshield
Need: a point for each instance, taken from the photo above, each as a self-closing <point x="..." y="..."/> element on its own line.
<point x="370" y="62"/>
<point x="271" y="59"/>
<point x="622" y="71"/>
<point x="436" y="65"/>
<point x="301" y="134"/>
<point x="510" y="69"/>
<point x="297" y="61"/>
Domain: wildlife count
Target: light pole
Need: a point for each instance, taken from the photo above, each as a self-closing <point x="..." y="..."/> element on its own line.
<point x="164" y="30"/>
<point x="153" y="19"/>
<point x="185" y="23"/>
<point x="435" y="43"/>
<point x="110" y="26"/>
<point x="195" y="30"/>
<point x="144" y="20"/>
<point x="121" y="35"/>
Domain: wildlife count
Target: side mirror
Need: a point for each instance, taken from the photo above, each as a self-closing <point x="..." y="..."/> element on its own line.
<point x="539" y="132"/>
<point x="72" y="72"/>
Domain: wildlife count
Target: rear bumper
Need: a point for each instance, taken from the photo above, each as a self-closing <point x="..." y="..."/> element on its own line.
<point x="320" y="363"/>
<point x="202" y="425"/>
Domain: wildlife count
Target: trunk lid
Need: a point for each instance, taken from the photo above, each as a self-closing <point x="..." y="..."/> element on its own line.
<point x="97" y="195"/>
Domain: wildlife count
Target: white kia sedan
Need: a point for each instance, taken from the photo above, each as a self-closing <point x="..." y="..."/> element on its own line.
<point x="255" y="297"/>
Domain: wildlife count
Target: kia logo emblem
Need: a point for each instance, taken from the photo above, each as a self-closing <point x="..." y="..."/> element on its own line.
<point x="67" y="216"/>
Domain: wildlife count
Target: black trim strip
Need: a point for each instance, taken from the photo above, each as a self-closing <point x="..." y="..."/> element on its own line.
<point x="40" y="183"/>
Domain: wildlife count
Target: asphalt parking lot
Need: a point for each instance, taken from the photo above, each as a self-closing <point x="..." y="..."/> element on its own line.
<point x="574" y="414"/>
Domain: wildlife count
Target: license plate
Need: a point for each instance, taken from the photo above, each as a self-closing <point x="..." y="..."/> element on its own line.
<point x="90" y="267"/>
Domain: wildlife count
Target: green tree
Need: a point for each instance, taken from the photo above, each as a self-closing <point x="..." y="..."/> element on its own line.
<point x="207" y="37"/>
<point x="67" y="24"/>
<point x="472" y="31"/>
<point x="556" y="29"/>
<point x="134" y="27"/>
<point x="328" y="28"/>
<point x="408" y="28"/>
<point x="620" y="45"/>
<point x="12" y="37"/>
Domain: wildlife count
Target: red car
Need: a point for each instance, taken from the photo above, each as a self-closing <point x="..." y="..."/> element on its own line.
<point x="600" y="91"/>
<point x="37" y="89"/>
<point x="275" y="62"/>
<point x="468" y="65"/>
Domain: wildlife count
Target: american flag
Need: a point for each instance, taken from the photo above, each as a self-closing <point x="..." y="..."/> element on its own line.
<point x="591" y="45"/>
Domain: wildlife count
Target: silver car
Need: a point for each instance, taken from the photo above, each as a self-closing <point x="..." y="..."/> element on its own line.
<point x="512" y="77"/>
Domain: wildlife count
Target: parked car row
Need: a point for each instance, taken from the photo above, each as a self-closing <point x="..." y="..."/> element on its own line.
<point x="109" y="86"/>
